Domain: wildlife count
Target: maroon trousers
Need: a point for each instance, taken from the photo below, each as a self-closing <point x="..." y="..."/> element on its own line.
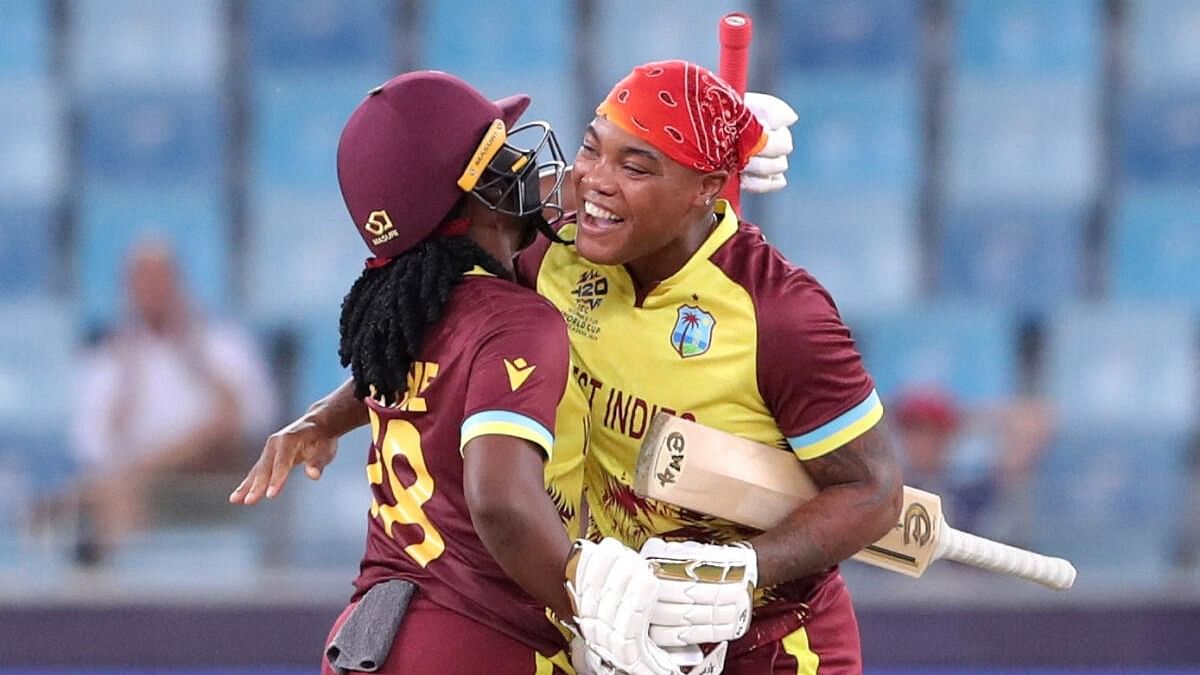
<point x="433" y="639"/>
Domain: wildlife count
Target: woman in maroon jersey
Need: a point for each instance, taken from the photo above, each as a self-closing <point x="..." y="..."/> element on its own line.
<point x="461" y="371"/>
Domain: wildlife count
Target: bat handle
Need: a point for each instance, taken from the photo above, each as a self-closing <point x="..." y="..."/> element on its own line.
<point x="735" y="31"/>
<point x="970" y="549"/>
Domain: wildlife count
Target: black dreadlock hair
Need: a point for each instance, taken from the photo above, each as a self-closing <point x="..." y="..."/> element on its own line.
<point x="389" y="308"/>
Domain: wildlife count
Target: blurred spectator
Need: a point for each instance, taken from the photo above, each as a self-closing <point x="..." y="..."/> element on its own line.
<point x="167" y="399"/>
<point x="980" y="461"/>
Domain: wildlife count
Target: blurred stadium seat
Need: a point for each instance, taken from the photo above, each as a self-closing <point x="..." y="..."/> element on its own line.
<point x="967" y="350"/>
<point x="1028" y="40"/>
<point x="1026" y="141"/>
<point x="1160" y="136"/>
<point x="666" y="29"/>
<point x="32" y="141"/>
<point x="110" y="221"/>
<point x="861" y="246"/>
<point x="1103" y="483"/>
<point x="134" y="44"/>
<point x="1154" y="252"/>
<point x="318" y="36"/>
<point x="504" y="61"/>
<point x="297" y="120"/>
<point x="1026" y="257"/>
<point x="854" y="133"/>
<point x="37" y="341"/>
<point x="873" y="37"/>
<point x="1162" y="34"/>
<point x="153" y="137"/>
<point x="302" y="255"/>
<point x="1130" y="367"/>
<point x="25" y="39"/>
<point x="27" y="259"/>
<point x="528" y="36"/>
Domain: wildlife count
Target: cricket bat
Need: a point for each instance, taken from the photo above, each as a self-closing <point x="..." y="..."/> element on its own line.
<point x="719" y="474"/>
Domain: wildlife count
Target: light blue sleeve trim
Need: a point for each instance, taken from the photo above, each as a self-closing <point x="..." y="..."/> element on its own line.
<point x="837" y="424"/>
<point x="474" y="425"/>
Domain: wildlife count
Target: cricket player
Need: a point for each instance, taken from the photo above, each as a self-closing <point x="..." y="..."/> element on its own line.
<point x="461" y="372"/>
<point x="673" y="304"/>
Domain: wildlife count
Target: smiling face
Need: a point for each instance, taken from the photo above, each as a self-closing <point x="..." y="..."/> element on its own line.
<point x="637" y="206"/>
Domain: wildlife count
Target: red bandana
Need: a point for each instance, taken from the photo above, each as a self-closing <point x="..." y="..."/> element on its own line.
<point x="687" y="113"/>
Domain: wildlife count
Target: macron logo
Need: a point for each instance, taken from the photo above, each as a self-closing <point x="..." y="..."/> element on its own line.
<point x="518" y="372"/>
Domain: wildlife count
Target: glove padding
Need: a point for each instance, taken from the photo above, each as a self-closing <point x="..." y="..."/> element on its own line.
<point x="705" y="591"/>
<point x="613" y="590"/>
<point x="765" y="170"/>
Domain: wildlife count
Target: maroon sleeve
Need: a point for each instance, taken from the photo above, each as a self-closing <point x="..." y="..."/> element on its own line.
<point x="518" y="375"/>
<point x="809" y="369"/>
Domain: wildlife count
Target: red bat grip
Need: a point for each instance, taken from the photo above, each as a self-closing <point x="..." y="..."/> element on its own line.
<point x="735" y="32"/>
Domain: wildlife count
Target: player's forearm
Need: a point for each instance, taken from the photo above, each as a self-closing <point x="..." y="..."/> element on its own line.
<point x="339" y="411"/>
<point x="859" y="502"/>
<point x="519" y="525"/>
<point x="531" y="545"/>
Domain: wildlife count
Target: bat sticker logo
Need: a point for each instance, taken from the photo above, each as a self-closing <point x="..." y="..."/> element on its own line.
<point x="675" y="445"/>
<point x="918" y="526"/>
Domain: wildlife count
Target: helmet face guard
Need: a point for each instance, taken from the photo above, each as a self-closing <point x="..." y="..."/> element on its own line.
<point x="511" y="181"/>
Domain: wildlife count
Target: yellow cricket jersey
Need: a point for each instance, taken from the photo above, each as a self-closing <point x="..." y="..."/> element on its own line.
<point x="738" y="339"/>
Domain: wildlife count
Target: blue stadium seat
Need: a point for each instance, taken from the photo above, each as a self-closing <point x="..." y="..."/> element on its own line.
<point x="627" y="33"/>
<point x="130" y="44"/>
<point x="1100" y="483"/>
<point x="41" y="461"/>
<point x="37" y="341"/>
<point x="861" y="246"/>
<point x="329" y="517"/>
<point x="196" y="223"/>
<point x="854" y="133"/>
<point x="153" y="138"/>
<point x="528" y="36"/>
<point x="302" y="255"/>
<point x="968" y="350"/>
<point x="292" y="36"/>
<point x="191" y="557"/>
<point x="876" y="36"/>
<point x="296" y="124"/>
<point x="1160" y="141"/>
<point x="504" y="63"/>
<point x="25" y="48"/>
<point x="1155" y="247"/>
<point x="27" y="258"/>
<point x="1029" y="39"/>
<point x="1162" y="37"/>
<point x="31" y="141"/>
<point x="1129" y="366"/>
<point x="1027" y="142"/>
<point x="1026" y="257"/>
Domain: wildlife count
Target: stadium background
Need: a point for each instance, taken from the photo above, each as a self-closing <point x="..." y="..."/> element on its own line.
<point x="1003" y="195"/>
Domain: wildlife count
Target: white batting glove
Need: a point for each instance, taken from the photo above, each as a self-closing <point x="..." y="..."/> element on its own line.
<point x="765" y="170"/>
<point x="613" y="590"/>
<point x="705" y="591"/>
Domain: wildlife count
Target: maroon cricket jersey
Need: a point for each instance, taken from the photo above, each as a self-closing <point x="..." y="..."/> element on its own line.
<point x="496" y="363"/>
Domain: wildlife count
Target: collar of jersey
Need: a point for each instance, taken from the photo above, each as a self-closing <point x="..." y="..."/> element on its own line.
<point x="477" y="271"/>
<point x="726" y="227"/>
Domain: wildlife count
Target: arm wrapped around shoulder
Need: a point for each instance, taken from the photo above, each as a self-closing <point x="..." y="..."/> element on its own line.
<point x="705" y="591"/>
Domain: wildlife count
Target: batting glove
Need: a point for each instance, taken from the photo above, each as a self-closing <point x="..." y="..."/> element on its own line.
<point x="765" y="170"/>
<point x="705" y="591"/>
<point x="612" y="590"/>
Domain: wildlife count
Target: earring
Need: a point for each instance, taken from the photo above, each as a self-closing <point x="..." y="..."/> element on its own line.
<point x="708" y="202"/>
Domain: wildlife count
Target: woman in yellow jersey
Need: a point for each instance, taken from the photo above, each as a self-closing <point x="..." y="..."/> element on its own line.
<point x="673" y="304"/>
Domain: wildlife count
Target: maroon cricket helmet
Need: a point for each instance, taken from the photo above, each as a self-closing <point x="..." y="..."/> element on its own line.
<point x="403" y="150"/>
